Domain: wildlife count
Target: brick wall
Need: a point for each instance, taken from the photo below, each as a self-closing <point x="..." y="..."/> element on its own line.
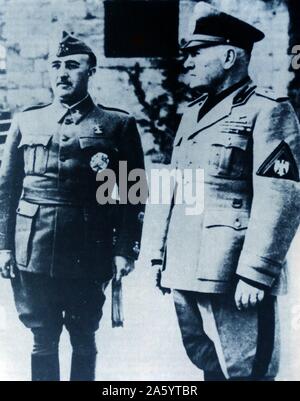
<point x="294" y="38"/>
<point x="26" y="25"/>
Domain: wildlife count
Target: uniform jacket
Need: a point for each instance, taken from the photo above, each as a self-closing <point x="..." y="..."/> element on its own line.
<point x="249" y="148"/>
<point x="49" y="215"/>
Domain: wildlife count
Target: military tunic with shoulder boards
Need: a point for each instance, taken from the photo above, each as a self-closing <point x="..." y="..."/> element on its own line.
<point x="49" y="213"/>
<point x="249" y="148"/>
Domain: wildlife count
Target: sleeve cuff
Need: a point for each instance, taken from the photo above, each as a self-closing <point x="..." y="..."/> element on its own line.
<point x="259" y="270"/>
<point x="254" y="284"/>
<point x="128" y="250"/>
<point x="156" y="262"/>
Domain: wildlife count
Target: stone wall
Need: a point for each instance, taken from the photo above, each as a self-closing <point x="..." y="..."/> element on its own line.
<point x="294" y="40"/>
<point x="27" y="25"/>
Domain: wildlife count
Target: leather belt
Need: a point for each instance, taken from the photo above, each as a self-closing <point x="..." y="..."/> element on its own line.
<point x="52" y="196"/>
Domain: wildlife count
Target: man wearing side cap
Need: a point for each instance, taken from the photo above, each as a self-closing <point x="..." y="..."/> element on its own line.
<point x="227" y="265"/>
<point x="56" y="241"/>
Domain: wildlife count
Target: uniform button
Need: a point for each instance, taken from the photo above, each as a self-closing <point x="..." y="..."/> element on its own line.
<point x="136" y="247"/>
<point x="141" y="216"/>
<point x="237" y="223"/>
<point x="237" y="203"/>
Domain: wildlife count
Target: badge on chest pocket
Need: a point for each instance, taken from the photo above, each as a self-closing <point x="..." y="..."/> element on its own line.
<point x="229" y="156"/>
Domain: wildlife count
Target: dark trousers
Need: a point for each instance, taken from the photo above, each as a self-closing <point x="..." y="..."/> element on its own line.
<point x="46" y="304"/>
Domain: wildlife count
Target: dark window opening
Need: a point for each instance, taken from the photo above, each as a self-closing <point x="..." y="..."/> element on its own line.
<point x="5" y="120"/>
<point x="141" y="28"/>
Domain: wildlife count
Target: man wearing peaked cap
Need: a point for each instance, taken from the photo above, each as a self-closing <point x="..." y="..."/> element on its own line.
<point x="227" y="264"/>
<point x="214" y="27"/>
<point x="58" y="245"/>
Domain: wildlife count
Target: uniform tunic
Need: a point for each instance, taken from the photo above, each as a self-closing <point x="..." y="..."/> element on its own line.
<point x="49" y="213"/>
<point x="249" y="218"/>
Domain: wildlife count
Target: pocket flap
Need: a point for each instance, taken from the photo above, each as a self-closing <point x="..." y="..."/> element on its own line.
<point x="102" y="144"/>
<point x="231" y="141"/>
<point x="237" y="220"/>
<point x="90" y="141"/>
<point x="27" y="209"/>
<point x="33" y="140"/>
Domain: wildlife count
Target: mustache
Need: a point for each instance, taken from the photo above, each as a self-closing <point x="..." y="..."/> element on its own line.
<point x="63" y="82"/>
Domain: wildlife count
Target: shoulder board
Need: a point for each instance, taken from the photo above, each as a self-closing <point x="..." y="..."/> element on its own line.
<point x="270" y="94"/>
<point x="41" y="106"/>
<point x="199" y="100"/>
<point x="112" y="109"/>
<point x="244" y="94"/>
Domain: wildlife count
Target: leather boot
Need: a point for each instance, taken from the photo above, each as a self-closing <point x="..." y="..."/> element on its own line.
<point x="83" y="367"/>
<point x="214" y="376"/>
<point x="45" y="367"/>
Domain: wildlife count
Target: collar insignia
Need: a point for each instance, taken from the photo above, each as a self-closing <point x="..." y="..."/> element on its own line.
<point x="76" y="114"/>
<point x="98" y="130"/>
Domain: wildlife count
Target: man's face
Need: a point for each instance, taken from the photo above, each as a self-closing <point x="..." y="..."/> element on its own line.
<point x="69" y="76"/>
<point x="204" y="67"/>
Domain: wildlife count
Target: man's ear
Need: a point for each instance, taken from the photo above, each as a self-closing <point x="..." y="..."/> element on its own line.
<point x="92" y="71"/>
<point x="230" y="56"/>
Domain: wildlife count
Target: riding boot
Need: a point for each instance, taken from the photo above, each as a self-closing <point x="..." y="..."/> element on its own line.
<point x="45" y="367"/>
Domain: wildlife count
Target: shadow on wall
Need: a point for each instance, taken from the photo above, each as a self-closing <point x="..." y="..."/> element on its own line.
<point x="162" y="115"/>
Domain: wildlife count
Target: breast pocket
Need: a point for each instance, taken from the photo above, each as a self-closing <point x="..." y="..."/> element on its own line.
<point x="36" y="153"/>
<point x="96" y="143"/>
<point x="229" y="156"/>
<point x="99" y="152"/>
<point x="26" y="214"/>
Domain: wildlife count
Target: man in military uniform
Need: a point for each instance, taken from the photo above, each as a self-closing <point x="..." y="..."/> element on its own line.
<point x="56" y="240"/>
<point x="227" y="265"/>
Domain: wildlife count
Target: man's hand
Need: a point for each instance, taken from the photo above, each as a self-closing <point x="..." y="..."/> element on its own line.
<point x="246" y="295"/>
<point x="7" y="264"/>
<point x="123" y="266"/>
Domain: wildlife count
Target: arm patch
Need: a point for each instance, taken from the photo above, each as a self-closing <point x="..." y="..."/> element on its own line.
<point x="280" y="164"/>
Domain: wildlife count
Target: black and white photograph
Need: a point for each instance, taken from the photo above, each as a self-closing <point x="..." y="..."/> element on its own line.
<point x="149" y="193"/>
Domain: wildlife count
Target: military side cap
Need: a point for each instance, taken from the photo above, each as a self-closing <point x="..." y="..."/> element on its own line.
<point x="69" y="45"/>
<point x="214" y="27"/>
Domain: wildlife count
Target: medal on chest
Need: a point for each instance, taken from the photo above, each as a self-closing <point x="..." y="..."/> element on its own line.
<point x="99" y="162"/>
